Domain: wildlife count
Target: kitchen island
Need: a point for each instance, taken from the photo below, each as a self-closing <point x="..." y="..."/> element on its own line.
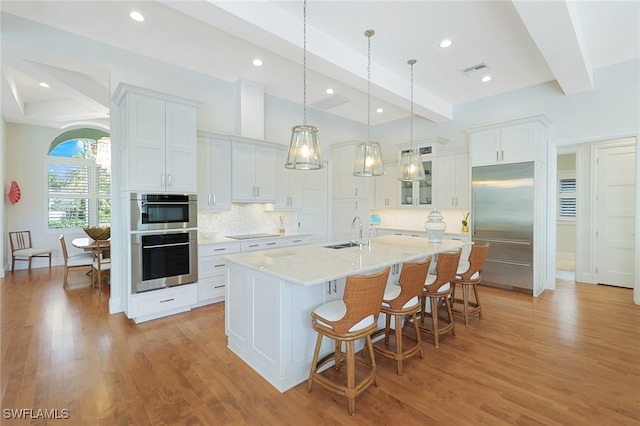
<point x="270" y="296"/>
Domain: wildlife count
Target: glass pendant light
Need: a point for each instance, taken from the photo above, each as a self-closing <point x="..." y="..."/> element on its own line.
<point x="411" y="167"/>
<point x="369" y="157"/>
<point x="304" y="150"/>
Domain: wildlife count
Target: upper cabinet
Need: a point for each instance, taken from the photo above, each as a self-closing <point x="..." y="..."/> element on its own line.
<point x="253" y="172"/>
<point x="420" y="194"/>
<point x="386" y="187"/>
<point x="345" y="184"/>
<point x="509" y="142"/>
<point x="289" y="184"/>
<point x="452" y="176"/>
<point x="157" y="132"/>
<point x="214" y="172"/>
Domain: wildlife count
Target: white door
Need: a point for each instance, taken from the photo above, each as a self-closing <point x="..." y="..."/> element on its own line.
<point x="615" y="215"/>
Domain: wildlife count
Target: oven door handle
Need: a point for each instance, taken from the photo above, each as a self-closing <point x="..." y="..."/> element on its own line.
<point x="153" y="203"/>
<point x="166" y="245"/>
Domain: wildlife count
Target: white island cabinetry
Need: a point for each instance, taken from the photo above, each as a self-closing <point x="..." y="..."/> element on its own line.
<point x="271" y="294"/>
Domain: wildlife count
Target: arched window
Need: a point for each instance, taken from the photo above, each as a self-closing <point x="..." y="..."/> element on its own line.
<point x="79" y="179"/>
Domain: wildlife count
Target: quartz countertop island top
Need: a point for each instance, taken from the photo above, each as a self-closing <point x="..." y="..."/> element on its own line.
<point x="316" y="264"/>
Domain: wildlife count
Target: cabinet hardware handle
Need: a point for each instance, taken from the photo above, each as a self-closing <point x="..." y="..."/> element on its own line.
<point x="162" y="179"/>
<point x="270" y="244"/>
<point x="221" y="265"/>
<point x="219" y="249"/>
<point x="258" y="191"/>
<point x="335" y="286"/>
<point x="497" y="156"/>
<point x="356" y="192"/>
<point x="168" y="300"/>
<point x="169" y="180"/>
<point x="209" y="200"/>
<point x="502" y="154"/>
<point x="214" y="199"/>
<point x="297" y="241"/>
<point x="329" y="287"/>
<point x="219" y="286"/>
<point x="253" y="245"/>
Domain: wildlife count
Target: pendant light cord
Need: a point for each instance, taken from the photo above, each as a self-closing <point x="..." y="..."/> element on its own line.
<point x="304" y="63"/>
<point x="369" y="34"/>
<point x="411" y="62"/>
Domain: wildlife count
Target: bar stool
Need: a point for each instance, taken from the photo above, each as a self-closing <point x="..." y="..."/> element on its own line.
<point x="398" y="302"/>
<point x="347" y="320"/>
<point x="468" y="276"/>
<point x="437" y="289"/>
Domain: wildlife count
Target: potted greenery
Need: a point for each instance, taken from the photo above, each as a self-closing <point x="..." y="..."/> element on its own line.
<point x="465" y="223"/>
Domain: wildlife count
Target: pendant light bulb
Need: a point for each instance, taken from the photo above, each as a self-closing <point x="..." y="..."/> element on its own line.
<point x="411" y="167"/>
<point x="369" y="156"/>
<point x="304" y="149"/>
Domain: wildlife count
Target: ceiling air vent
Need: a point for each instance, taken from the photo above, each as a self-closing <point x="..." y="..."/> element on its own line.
<point x="475" y="69"/>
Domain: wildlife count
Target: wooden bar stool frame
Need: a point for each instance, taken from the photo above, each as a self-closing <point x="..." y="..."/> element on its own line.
<point x="411" y="281"/>
<point x="446" y="268"/>
<point x="470" y="279"/>
<point x="362" y="297"/>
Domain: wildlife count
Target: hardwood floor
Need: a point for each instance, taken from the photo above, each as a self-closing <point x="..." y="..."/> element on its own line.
<point x="569" y="357"/>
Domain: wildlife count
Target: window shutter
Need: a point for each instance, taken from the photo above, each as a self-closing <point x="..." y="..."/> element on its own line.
<point x="567" y="197"/>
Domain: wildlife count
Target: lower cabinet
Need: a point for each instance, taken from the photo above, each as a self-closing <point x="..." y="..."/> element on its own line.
<point x="212" y="271"/>
<point x="161" y="303"/>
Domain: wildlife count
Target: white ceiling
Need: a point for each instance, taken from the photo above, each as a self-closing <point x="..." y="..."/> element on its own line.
<point x="521" y="43"/>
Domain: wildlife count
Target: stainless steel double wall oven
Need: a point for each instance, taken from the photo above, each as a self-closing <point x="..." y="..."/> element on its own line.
<point x="164" y="241"/>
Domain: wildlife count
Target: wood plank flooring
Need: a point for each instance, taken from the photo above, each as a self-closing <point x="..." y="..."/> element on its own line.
<point x="569" y="357"/>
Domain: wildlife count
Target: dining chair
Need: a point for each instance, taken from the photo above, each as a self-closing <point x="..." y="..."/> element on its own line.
<point x="469" y="276"/>
<point x="347" y="320"/>
<point x="22" y="249"/>
<point x="401" y="301"/>
<point x="101" y="263"/>
<point x="81" y="260"/>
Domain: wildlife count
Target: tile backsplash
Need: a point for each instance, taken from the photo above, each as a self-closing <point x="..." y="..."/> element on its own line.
<point x="414" y="219"/>
<point x="246" y="219"/>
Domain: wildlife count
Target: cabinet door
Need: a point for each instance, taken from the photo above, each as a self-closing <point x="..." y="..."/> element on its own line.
<point x="204" y="174"/>
<point x="147" y="144"/>
<point x="386" y="188"/>
<point x="446" y="182"/>
<point x="243" y="172"/>
<point x="181" y="151"/>
<point x="463" y="182"/>
<point x="345" y="184"/>
<point x="221" y="175"/>
<point x="485" y="147"/>
<point x="265" y="177"/>
<point x="288" y="184"/>
<point x="516" y="144"/>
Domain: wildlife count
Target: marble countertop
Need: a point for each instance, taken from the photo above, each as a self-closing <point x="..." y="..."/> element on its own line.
<point x="390" y="228"/>
<point x="315" y="264"/>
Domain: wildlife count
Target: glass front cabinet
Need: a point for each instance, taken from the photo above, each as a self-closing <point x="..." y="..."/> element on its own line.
<point x="419" y="193"/>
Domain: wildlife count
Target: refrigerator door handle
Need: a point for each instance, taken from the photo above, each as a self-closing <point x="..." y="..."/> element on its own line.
<point x="506" y="262"/>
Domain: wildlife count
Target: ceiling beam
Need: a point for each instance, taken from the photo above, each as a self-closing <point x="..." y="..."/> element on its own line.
<point x="555" y="28"/>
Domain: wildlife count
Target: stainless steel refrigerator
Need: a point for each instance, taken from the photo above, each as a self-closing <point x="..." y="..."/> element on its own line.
<point x="502" y="214"/>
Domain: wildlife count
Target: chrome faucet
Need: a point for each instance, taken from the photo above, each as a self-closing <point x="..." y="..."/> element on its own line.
<point x="353" y="224"/>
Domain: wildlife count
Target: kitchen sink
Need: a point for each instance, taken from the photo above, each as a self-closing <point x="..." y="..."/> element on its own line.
<point x="343" y="245"/>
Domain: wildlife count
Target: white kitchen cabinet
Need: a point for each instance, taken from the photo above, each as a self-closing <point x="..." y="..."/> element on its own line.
<point x="386" y="187"/>
<point x="160" y="303"/>
<point x="418" y="193"/>
<point x="344" y="183"/>
<point x="158" y="149"/>
<point x="253" y="173"/>
<point x="509" y="142"/>
<point x="212" y="271"/>
<point x="214" y="173"/>
<point x="452" y="177"/>
<point x="288" y="185"/>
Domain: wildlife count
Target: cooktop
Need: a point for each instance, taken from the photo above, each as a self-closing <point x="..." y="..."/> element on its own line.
<point x="250" y="236"/>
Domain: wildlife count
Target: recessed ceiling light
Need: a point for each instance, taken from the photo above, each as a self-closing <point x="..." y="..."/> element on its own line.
<point x="136" y="16"/>
<point x="379" y="110"/>
<point x="257" y="62"/>
<point x="329" y="91"/>
<point x="486" y="78"/>
<point x="445" y="43"/>
<point x="43" y="84"/>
